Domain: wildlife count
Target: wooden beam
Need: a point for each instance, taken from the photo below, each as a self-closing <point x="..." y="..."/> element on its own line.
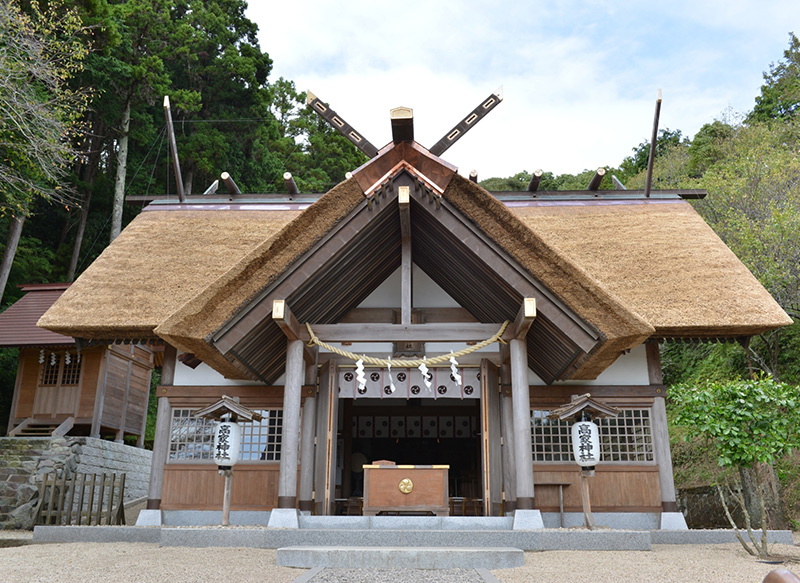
<point x="525" y="196"/>
<point x="230" y="184"/>
<point x="404" y="201"/>
<point x="653" y="139"/>
<point x="449" y="332"/>
<point x="402" y="124"/>
<point x="341" y="126"/>
<point x="467" y="123"/>
<point x="536" y="177"/>
<point x="524" y="319"/>
<point x="213" y="188"/>
<point x="173" y="148"/>
<point x="594" y="184"/>
<point x="291" y="185"/>
<point x="473" y="176"/>
<point x="617" y="184"/>
<point x="292" y="328"/>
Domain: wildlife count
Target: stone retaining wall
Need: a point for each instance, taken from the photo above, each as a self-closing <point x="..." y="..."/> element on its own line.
<point x="23" y="460"/>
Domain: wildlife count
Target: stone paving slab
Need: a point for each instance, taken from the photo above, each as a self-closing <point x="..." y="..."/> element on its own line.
<point x="596" y="540"/>
<point x="401" y="557"/>
<point x="717" y="536"/>
<point x="96" y="534"/>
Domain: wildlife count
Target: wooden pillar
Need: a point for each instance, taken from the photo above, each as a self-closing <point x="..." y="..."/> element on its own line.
<point x="290" y="436"/>
<point x="663" y="456"/>
<point x="327" y="417"/>
<point x="523" y="447"/>
<point x="490" y="439"/>
<point x="306" y="502"/>
<point x="99" y="396"/>
<point x="507" y="428"/>
<point x="162" y="433"/>
<point x="661" y="431"/>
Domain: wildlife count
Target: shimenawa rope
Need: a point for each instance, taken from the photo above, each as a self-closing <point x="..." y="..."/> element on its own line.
<point x="405" y="363"/>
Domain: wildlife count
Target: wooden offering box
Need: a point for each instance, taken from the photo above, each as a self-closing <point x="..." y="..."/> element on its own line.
<point x="411" y="489"/>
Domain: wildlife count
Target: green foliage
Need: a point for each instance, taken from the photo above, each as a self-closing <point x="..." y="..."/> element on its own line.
<point x="700" y="363"/>
<point x="633" y="165"/>
<point x="707" y="147"/>
<point x="548" y="181"/>
<point x="40" y="50"/>
<point x="780" y="93"/>
<point x="748" y="421"/>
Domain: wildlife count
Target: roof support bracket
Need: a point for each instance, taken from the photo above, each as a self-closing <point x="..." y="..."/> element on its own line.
<point x="524" y="319"/>
<point x="292" y="329"/>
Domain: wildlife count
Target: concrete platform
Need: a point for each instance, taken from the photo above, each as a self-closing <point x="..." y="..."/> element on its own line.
<point x="400" y="557"/>
<point x="276" y="538"/>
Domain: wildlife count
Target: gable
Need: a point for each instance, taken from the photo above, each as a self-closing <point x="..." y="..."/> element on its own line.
<point x="341" y="266"/>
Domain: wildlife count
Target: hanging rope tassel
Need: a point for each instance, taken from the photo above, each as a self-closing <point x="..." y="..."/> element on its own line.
<point x="411" y="363"/>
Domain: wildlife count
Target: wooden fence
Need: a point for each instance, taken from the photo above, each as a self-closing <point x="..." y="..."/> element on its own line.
<point x="83" y="499"/>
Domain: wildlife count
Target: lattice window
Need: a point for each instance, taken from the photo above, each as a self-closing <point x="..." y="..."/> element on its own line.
<point x="55" y="367"/>
<point x="192" y="438"/>
<point x="551" y="438"/>
<point x="262" y="440"/>
<point x="625" y="438"/>
<point x="52" y="365"/>
<point x="71" y="371"/>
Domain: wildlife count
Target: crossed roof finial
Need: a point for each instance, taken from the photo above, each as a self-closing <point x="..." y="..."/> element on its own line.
<point x="403" y="124"/>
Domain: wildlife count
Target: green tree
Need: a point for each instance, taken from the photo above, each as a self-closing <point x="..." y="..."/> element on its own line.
<point x="780" y="93"/>
<point x="750" y="423"/>
<point x="752" y="202"/>
<point x="707" y="147"/>
<point x="637" y="163"/>
<point x="40" y="50"/>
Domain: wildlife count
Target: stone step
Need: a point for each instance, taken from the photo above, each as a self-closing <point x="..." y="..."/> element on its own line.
<point x="400" y="557"/>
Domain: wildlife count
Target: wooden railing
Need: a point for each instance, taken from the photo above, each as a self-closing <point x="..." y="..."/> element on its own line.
<point x="83" y="499"/>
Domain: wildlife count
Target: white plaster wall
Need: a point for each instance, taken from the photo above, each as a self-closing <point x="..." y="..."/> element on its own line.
<point x="203" y="375"/>
<point x="424" y="293"/>
<point x="628" y="369"/>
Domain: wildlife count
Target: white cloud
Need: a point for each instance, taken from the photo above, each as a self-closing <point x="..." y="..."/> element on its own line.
<point x="580" y="77"/>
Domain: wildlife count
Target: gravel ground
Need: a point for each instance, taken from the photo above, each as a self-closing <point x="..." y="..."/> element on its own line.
<point x="21" y="561"/>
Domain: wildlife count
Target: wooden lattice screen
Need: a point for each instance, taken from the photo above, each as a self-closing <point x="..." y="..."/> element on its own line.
<point x="83" y="499"/>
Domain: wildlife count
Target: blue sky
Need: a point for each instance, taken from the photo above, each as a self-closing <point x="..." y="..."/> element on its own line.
<point x="579" y="77"/>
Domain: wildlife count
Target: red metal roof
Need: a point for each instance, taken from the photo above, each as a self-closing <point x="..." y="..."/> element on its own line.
<point x="18" y="322"/>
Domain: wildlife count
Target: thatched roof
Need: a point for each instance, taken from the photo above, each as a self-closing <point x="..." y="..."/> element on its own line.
<point x="579" y="289"/>
<point x="189" y="326"/>
<point x="631" y="270"/>
<point x="161" y="260"/>
<point x="663" y="262"/>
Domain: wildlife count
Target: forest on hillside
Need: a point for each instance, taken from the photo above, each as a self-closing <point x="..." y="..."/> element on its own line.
<point x="82" y="127"/>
